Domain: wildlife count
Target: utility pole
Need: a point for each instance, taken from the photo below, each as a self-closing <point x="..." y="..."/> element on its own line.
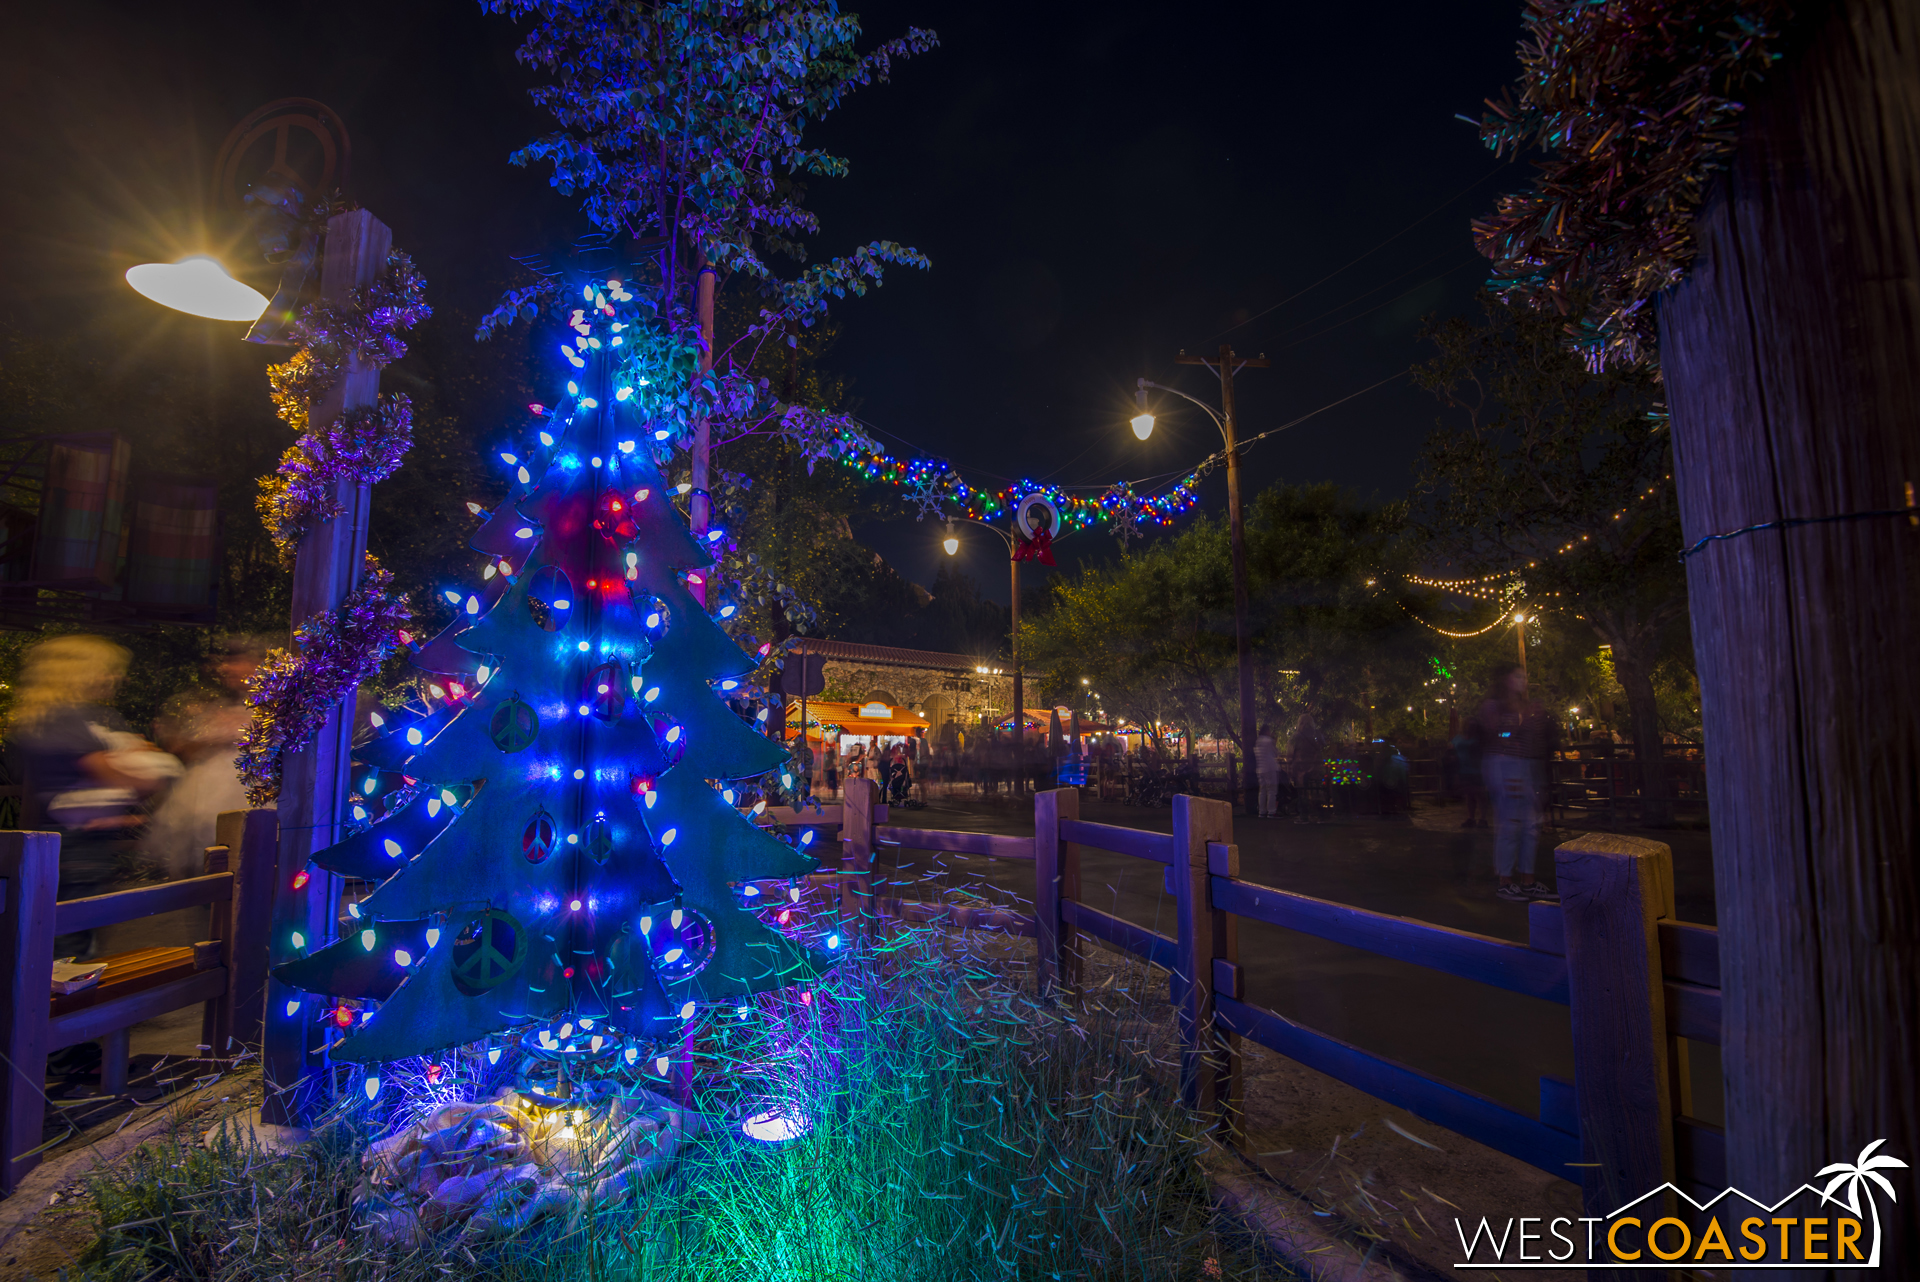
<point x="700" y="502"/>
<point x="1520" y="637"/>
<point x="1019" y="687"/>
<point x="1228" y="365"/>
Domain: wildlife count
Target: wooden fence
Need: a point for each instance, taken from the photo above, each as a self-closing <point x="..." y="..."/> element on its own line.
<point x="1639" y="983"/>
<point x="225" y="972"/>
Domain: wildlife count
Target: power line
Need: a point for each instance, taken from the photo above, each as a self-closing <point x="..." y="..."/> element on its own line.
<point x="1377" y="306"/>
<point x="1368" y="253"/>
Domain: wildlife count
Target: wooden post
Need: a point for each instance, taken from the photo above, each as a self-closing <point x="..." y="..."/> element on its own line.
<point x="315" y="779"/>
<point x="262" y="928"/>
<point x="1056" y="879"/>
<point x="216" y="1024"/>
<point x="858" y="798"/>
<point x="1223" y="860"/>
<point x="1791" y="365"/>
<point x="1197" y="821"/>
<point x="115" y="1048"/>
<point x="1613" y="891"/>
<point x="29" y="883"/>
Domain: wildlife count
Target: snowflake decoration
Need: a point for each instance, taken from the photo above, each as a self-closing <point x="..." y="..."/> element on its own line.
<point x="926" y="490"/>
<point x="1125" y="513"/>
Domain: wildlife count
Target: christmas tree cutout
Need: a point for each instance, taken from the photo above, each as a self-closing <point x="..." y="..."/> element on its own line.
<point x="565" y="858"/>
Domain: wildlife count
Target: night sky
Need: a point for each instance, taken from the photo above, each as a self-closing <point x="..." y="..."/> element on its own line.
<point x="1098" y="186"/>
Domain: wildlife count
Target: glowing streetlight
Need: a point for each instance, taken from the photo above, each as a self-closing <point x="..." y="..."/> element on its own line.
<point x="198" y="286"/>
<point x="1143" y="421"/>
<point x="952" y="542"/>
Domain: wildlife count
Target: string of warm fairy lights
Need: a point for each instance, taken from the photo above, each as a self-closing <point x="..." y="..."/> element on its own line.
<point x="1504" y="585"/>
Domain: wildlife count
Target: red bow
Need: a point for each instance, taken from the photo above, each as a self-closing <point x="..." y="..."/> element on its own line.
<point x="1038" y="548"/>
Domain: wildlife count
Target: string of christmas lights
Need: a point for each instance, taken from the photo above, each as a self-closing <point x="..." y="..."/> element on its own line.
<point x="936" y="487"/>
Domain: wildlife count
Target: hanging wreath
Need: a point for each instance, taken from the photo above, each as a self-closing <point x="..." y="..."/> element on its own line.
<point x="1636" y="102"/>
<point x="295" y="691"/>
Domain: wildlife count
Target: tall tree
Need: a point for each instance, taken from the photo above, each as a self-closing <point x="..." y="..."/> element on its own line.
<point x="1791" y="353"/>
<point x="1561" y="475"/>
<point x="682" y="126"/>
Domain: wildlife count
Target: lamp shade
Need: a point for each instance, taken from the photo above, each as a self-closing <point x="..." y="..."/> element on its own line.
<point x="1143" y="425"/>
<point x="200" y="287"/>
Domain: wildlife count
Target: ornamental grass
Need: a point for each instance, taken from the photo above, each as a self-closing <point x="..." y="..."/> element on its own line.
<point x="956" y="1128"/>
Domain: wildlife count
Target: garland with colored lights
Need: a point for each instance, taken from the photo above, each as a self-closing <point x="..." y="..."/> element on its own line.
<point x="294" y="691"/>
<point x="933" y="485"/>
<point x="1635" y="102"/>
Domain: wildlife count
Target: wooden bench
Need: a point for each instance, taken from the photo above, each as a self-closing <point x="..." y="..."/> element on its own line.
<point x="137" y="986"/>
<point x="165" y="979"/>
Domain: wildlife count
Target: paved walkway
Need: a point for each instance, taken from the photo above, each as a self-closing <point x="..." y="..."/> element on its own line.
<point x="1427" y="867"/>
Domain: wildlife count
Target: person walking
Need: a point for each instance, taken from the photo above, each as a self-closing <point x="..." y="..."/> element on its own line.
<point x="831" y="749"/>
<point x="87" y="772"/>
<point x="1266" y="764"/>
<point x="202" y="728"/>
<point x="1518" y="736"/>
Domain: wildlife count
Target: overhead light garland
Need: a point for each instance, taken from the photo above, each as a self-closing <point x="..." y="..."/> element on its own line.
<point x="935" y="486"/>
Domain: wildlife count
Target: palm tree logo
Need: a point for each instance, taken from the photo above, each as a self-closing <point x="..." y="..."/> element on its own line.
<point x="1855" y="1176"/>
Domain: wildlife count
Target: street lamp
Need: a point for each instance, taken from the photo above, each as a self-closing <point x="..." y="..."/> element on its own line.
<point x="952" y="544"/>
<point x="1520" y="636"/>
<point x="1229" y="363"/>
<point x="198" y="286"/>
<point x="1143" y="421"/>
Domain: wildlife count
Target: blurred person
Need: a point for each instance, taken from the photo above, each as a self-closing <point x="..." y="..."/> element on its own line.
<point x="87" y="771"/>
<point x="1266" y="765"/>
<point x="202" y="728"/>
<point x="898" y="774"/>
<point x="1518" y="738"/>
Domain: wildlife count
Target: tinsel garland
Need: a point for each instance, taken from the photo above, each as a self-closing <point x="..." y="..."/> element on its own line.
<point x="367" y="326"/>
<point x="294" y="692"/>
<point x="363" y="446"/>
<point x="1634" y="100"/>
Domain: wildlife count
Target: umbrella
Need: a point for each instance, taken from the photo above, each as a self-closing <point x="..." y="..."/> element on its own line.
<point x="1055" y="746"/>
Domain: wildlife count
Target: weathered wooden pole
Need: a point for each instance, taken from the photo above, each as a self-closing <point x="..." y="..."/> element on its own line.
<point x="1791" y="356"/>
<point x="315" y="779"/>
<point x="1205" y="1066"/>
<point x="1613" y="893"/>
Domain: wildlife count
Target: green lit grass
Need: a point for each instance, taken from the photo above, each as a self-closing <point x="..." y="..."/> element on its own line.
<point x="959" y="1130"/>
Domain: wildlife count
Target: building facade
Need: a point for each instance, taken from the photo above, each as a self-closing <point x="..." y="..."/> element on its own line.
<point x="942" y="688"/>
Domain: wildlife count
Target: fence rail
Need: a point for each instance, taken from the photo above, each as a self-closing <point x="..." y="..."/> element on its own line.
<point x="1640" y="985"/>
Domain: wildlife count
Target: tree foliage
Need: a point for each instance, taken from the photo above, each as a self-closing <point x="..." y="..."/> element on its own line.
<point x="1564" y="477"/>
<point x="1153" y="633"/>
<point x="1636" y="104"/>
<point x="681" y="126"/>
